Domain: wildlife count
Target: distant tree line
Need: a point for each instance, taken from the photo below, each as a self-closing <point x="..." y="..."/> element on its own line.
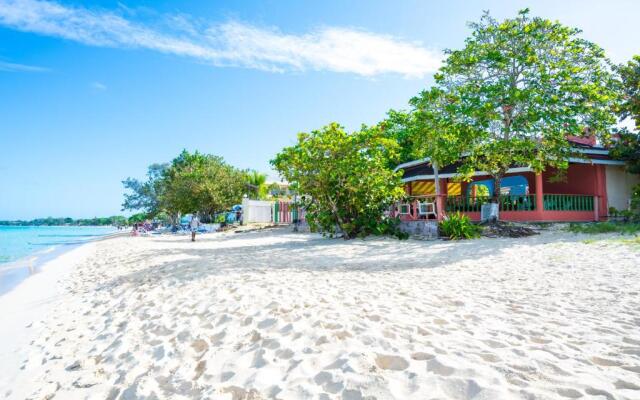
<point x="117" y="220"/>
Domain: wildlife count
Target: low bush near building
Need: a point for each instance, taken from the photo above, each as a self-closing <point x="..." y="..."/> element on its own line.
<point x="458" y="226"/>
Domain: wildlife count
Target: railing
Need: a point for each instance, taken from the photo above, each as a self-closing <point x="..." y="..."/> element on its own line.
<point x="568" y="202"/>
<point x="422" y="207"/>
<point x="506" y="203"/>
<point x="416" y="207"/>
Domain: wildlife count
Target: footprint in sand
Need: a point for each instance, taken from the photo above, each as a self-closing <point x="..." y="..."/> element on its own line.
<point x="326" y="380"/>
<point x="352" y="394"/>
<point x="216" y="339"/>
<point x="539" y="340"/>
<point x="569" y="393"/>
<point x="435" y="366"/>
<point x="158" y="353"/>
<point x="322" y="340"/>
<point x="258" y="359"/>
<point x="200" y="346"/>
<point x="285" y="354"/>
<point x="494" y="344"/>
<point x="374" y="317"/>
<point x="394" y="363"/>
<point x="620" y="384"/>
<point x="629" y="340"/>
<point x="225" y="376"/>
<point x="423" y="331"/>
<point x="419" y="356"/>
<point x="462" y="388"/>
<point x="605" y="362"/>
<point x="199" y="370"/>
<point x="632" y="368"/>
<point x="267" y="323"/>
<point x="271" y="344"/>
<point x="490" y="357"/>
<point x="598" y="392"/>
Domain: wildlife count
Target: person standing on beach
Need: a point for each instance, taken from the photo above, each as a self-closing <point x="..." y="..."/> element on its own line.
<point x="194" y="227"/>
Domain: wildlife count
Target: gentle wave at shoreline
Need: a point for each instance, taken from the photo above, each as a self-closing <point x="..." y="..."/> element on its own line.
<point x="22" y="254"/>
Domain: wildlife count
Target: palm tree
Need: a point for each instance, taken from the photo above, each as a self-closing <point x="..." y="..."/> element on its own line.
<point x="257" y="183"/>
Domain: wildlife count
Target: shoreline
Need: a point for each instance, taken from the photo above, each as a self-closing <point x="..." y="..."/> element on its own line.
<point x="25" y="306"/>
<point x="14" y="273"/>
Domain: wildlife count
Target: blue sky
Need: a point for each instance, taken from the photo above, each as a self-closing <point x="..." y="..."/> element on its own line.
<point x="94" y="91"/>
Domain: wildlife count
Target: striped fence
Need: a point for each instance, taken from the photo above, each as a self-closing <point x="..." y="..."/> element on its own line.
<point x="285" y="212"/>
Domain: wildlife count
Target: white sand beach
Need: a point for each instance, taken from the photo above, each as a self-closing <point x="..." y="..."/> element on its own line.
<point x="273" y="314"/>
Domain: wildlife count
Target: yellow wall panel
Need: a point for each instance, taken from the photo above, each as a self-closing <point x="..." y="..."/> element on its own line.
<point x="422" y="188"/>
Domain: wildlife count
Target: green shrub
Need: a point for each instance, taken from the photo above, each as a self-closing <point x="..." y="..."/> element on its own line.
<point x="458" y="226"/>
<point x="635" y="203"/>
<point x="388" y="227"/>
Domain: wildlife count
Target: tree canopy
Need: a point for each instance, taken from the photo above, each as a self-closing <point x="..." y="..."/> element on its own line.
<point x="630" y="79"/>
<point x="191" y="183"/>
<point x="521" y="86"/>
<point x="627" y="148"/>
<point x="430" y="128"/>
<point x="145" y="195"/>
<point x="345" y="177"/>
<point x="203" y="183"/>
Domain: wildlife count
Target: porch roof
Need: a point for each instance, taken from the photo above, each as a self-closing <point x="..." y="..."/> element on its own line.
<point x="423" y="169"/>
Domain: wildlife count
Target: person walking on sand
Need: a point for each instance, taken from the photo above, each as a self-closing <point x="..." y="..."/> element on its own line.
<point x="193" y="224"/>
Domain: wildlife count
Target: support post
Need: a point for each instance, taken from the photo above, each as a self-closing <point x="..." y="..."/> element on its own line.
<point x="539" y="196"/>
<point x="439" y="203"/>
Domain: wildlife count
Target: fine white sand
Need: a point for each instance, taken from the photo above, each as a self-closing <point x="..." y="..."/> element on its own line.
<point x="294" y="316"/>
<point x="27" y="304"/>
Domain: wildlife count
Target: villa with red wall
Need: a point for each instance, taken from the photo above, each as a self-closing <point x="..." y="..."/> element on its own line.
<point x="592" y="184"/>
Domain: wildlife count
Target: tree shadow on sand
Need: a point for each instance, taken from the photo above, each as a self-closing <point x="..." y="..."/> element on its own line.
<point x="264" y="252"/>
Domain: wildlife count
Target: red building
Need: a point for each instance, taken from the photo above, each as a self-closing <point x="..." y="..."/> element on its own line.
<point x="592" y="184"/>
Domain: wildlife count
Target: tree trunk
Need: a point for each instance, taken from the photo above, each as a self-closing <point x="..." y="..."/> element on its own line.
<point x="496" y="188"/>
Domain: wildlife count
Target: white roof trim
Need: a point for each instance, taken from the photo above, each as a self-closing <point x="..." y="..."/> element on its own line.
<point x="428" y="159"/>
<point x="412" y="163"/>
<point x="595" y="161"/>
<point x="592" y="151"/>
<point x="477" y="173"/>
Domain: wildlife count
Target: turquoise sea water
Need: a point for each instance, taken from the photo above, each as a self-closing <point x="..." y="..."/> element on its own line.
<point x="23" y="249"/>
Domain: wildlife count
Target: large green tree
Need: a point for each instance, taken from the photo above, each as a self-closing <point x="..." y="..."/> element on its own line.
<point x="630" y="77"/>
<point x="345" y="177"/>
<point x="145" y="195"/>
<point x="523" y="85"/>
<point x="628" y="146"/>
<point x="201" y="183"/>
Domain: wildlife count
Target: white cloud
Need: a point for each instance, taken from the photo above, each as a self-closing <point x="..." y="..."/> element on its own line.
<point x="13" y="67"/>
<point x="228" y="44"/>
<point x="98" y="86"/>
